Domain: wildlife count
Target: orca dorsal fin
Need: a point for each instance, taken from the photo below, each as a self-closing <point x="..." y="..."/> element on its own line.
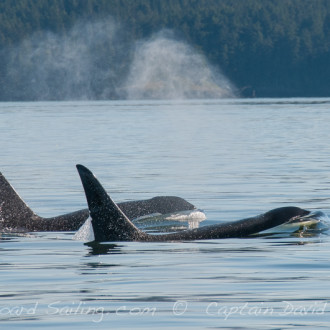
<point x="14" y="212"/>
<point x="108" y="221"/>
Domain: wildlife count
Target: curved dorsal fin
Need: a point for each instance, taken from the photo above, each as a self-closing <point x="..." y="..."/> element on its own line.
<point x="108" y="221"/>
<point x="14" y="212"/>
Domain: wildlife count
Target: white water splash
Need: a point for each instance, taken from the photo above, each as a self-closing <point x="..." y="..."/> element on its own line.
<point x="187" y="215"/>
<point x="316" y="220"/>
<point x="193" y="218"/>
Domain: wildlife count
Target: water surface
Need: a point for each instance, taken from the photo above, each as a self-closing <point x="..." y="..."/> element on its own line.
<point x="231" y="158"/>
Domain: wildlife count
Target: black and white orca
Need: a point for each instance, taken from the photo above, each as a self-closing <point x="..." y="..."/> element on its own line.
<point x="111" y="224"/>
<point x="17" y="216"/>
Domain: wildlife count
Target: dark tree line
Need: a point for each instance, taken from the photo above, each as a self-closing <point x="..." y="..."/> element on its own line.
<point x="266" y="47"/>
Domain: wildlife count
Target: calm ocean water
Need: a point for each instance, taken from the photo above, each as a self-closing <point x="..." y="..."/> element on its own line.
<point x="231" y="158"/>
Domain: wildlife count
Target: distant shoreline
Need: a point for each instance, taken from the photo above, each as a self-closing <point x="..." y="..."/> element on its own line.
<point x="264" y="48"/>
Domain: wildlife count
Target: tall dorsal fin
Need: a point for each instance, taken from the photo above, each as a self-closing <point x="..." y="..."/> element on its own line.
<point x="108" y="221"/>
<point x="111" y="224"/>
<point x="14" y="212"/>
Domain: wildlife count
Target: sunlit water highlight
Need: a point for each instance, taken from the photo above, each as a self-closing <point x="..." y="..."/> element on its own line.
<point x="231" y="158"/>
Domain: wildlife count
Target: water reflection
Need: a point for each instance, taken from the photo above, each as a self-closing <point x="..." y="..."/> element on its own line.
<point x="96" y="248"/>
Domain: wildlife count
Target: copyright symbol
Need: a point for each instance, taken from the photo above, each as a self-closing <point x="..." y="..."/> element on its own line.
<point x="180" y="307"/>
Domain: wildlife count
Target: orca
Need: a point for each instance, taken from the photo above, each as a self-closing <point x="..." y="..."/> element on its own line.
<point x="16" y="215"/>
<point x="111" y="224"/>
